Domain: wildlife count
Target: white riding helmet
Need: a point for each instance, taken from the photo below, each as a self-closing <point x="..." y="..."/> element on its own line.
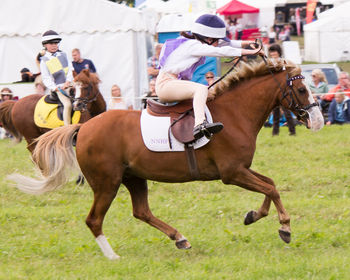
<point x="50" y="36"/>
<point x="210" y="26"/>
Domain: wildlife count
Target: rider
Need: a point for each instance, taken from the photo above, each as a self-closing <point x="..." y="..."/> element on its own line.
<point x="57" y="71"/>
<point x="180" y="57"/>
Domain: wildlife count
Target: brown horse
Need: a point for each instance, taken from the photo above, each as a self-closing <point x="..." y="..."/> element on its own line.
<point x="17" y="117"/>
<point x="110" y="150"/>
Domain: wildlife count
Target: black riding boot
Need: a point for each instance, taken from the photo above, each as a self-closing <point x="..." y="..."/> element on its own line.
<point x="207" y="129"/>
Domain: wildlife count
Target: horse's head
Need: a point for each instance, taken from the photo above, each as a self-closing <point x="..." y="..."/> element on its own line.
<point x="86" y="90"/>
<point x="296" y="96"/>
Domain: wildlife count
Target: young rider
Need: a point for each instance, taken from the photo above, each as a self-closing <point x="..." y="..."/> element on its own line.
<point x="180" y="57"/>
<point x="57" y="71"/>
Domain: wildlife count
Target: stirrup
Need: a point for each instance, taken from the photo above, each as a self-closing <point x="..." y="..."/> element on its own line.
<point x="207" y="129"/>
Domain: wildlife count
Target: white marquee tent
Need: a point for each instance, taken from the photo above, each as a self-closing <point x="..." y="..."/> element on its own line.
<point x="328" y="39"/>
<point x="111" y="35"/>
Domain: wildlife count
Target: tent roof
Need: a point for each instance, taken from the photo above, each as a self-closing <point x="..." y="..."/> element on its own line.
<point x="23" y="17"/>
<point x="335" y="19"/>
<point x="177" y="22"/>
<point x="235" y="7"/>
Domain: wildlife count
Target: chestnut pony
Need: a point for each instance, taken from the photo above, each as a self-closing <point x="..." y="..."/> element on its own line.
<point x="110" y="150"/>
<point x="17" y="117"/>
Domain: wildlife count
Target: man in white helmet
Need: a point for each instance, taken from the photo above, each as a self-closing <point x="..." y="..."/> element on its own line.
<point x="57" y="71"/>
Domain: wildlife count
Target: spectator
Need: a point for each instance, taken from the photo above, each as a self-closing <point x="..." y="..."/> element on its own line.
<point x="342" y="86"/>
<point x="6" y="94"/>
<point x="57" y="71"/>
<point x="284" y="35"/>
<point x="275" y="52"/>
<point x="80" y="64"/>
<point x="27" y="76"/>
<point x="153" y="63"/>
<point x="117" y="102"/>
<point x="40" y="88"/>
<point x="339" y="110"/>
<point x="319" y="86"/>
<point x="151" y="94"/>
<point x="272" y="36"/>
<point x="210" y="78"/>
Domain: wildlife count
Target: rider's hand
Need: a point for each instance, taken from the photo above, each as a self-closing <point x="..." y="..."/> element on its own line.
<point x="261" y="53"/>
<point x="66" y="85"/>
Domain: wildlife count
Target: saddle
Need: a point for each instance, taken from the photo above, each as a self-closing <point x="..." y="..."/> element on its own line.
<point x="181" y="118"/>
<point x="48" y="112"/>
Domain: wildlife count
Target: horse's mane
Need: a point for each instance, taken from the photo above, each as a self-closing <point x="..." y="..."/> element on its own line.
<point x="86" y="77"/>
<point x="247" y="71"/>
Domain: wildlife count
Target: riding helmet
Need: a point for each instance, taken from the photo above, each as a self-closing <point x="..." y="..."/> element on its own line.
<point x="210" y="26"/>
<point x="50" y="36"/>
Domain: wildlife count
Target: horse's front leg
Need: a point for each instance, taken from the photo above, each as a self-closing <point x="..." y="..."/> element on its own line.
<point x="139" y="195"/>
<point x="253" y="216"/>
<point x="244" y="178"/>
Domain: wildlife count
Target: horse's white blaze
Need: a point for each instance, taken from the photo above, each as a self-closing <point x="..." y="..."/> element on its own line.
<point x="315" y="115"/>
<point x="106" y="248"/>
<point x="77" y="92"/>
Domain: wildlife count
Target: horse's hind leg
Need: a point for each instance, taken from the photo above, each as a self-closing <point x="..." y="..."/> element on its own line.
<point x="139" y="195"/>
<point x="253" y="216"/>
<point x="102" y="202"/>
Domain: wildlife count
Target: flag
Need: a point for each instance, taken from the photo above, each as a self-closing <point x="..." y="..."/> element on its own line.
<point x="310" y="8"/>
<point x="297" y="20"/>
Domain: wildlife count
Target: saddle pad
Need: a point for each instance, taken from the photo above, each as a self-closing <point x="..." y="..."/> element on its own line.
<point x="45" y="115"/>
<point x="154" y="132"/>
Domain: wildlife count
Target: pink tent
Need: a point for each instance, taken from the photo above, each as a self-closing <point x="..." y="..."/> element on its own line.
<point x="235" y="7"/>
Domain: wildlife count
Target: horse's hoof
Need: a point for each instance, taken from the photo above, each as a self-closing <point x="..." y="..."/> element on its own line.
<point x="183" y="244"/>
<point x="249" y="218"/>
<point x="285" y="235"/>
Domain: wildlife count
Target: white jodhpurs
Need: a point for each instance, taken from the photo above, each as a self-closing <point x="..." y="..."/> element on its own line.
<point x="67" y="107"/>
<point x="170" y="89"/>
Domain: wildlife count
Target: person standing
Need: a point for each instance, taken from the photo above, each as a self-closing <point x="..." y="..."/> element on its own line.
<point x="275" y="52"/>
<point x="57" y="71"/>
<point x="153" y="63"/>
<point x="80" y="64"/>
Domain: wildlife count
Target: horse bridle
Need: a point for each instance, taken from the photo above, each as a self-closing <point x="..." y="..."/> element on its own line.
<point x="86" y="100"/>
<point x="294" y="100"/>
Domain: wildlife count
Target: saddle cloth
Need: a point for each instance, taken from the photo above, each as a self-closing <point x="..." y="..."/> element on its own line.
<point x="155" y="135"/>
<point x="49" y="115"/>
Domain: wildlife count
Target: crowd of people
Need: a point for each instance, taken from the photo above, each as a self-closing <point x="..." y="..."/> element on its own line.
<point x="334" y="103"/>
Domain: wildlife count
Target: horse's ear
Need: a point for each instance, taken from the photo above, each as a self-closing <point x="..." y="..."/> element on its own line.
<point x="86" y="72"/>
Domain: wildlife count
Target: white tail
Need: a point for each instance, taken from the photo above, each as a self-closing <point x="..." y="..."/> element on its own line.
<point x="54" y="155"/>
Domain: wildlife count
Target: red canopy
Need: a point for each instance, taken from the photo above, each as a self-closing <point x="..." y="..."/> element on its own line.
<point x="235" y="7"/>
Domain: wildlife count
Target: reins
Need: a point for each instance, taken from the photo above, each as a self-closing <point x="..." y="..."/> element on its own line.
<point x="256" y="44"/>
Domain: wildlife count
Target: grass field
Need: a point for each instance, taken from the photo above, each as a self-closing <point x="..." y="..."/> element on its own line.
<point x="45" y="237"/>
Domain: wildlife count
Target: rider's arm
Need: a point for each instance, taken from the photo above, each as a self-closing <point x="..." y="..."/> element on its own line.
<point x="196" y="48"/>
<point x="46" y="76"/>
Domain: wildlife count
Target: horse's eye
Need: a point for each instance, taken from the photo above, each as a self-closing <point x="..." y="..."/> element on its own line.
<point x="302" y="90"/>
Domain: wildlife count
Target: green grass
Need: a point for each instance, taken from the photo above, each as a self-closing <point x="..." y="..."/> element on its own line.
<point x="45" y="237"/>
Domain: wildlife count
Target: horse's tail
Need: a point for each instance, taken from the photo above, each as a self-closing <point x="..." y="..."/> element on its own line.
<point x="54" y="155"/>
<point x="6" y="119"/>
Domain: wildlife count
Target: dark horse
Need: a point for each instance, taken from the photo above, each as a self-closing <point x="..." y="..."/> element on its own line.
<point x="110" y="150"/>
<point x="17" y="117"/>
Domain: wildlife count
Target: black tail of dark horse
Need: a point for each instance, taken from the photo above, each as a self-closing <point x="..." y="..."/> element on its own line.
<point x="6" y="119"/>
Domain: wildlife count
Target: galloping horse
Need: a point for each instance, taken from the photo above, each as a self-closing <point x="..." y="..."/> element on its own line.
<point x="110" y="150"/>
<point x="17" y="117"/>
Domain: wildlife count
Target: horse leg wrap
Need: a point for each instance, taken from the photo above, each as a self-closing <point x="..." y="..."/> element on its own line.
<point x="106" y="248"/>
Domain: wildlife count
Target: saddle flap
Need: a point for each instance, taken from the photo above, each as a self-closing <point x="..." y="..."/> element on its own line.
<point x="182" y="126"/>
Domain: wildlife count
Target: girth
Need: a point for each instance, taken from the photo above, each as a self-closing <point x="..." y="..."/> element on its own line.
<point x="181" y="126"/>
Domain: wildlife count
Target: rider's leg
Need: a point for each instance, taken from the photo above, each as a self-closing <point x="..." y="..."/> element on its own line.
<point x="67" y="108"/>
<point x="170" y="89"/>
